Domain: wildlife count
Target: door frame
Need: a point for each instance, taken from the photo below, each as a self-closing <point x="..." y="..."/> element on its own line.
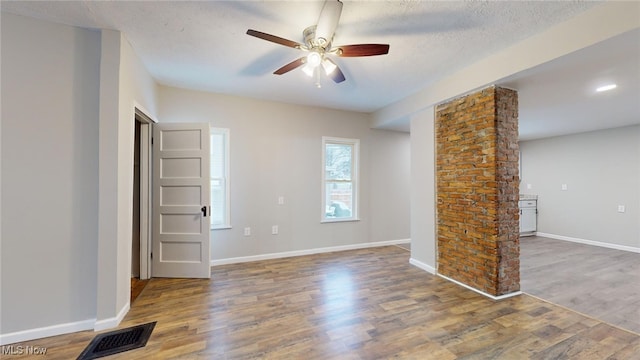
<point x="145" y="188"/>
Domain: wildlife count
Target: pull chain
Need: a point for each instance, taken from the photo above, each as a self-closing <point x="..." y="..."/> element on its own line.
<point x="317" y="73"/>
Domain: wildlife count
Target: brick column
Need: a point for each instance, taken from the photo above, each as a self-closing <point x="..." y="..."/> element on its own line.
<point x="477" y="187"/>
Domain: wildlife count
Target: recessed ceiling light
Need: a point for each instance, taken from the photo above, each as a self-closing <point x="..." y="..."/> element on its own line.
<point x="606" y="87"/>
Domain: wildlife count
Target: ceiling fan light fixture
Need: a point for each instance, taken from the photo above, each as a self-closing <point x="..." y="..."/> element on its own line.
<point x="329" y="66"/>
<point x="314" y="59"/>
<point x="308" y="70"/>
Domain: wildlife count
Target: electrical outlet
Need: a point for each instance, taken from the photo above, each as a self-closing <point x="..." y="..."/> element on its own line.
<point x="621" y="208"/>
<point x="528" y="186"/>
<point x="564" y="187"/>
<point x="274" y="230"/>
<point x="247" y="231"/>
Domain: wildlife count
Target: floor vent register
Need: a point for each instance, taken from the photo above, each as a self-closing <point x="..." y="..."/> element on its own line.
<point x="118" y="341"/>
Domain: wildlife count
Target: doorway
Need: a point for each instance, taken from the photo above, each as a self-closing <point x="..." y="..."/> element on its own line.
<point x="141" y="205"/>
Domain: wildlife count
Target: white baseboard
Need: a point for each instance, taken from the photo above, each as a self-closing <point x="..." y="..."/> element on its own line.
<point x="114" y="321"/>
<point x="501" y="297"/>
<point x="61" y="329"/>
<point x="590" y="242"/>
<point x="286" y="254"/>
<point x="432" y="270"/>
<point x="419" y="264"/>
<point x="39" y="333"/>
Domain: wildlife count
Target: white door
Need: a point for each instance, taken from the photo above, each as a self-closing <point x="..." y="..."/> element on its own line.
<point x="181" y="202"/>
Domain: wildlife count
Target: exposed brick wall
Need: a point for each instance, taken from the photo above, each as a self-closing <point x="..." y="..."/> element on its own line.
<point x="477" y="190"/>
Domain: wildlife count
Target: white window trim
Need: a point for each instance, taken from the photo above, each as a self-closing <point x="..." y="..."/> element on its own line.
<point x="355" y="172"/>
<point x="226" y="224"/>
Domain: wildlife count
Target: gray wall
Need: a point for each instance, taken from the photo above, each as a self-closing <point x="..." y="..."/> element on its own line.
<point x="68" y="97"/>
<point x="601" y="170"/>
<point x="124" y="85"/>
<point x="390" y="169"/>
<point x="423" y="199"/>
<point x="276" y="151"/>
<point x="49" y="173"/>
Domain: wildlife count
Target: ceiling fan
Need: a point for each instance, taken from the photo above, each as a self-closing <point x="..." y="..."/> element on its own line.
<point x="317" y="43"/>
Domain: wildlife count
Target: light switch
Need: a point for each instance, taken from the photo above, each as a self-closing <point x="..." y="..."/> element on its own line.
<point x="274" y="230"/>
<point x="528" y="186"/>
<point x="564" y="187"/>
<point x="247" y="231"/>
<point x="281" y="200"/>
<point x="621" y="208"/>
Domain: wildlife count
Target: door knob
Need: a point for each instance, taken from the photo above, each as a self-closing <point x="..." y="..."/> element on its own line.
<point x="204" y="211"/>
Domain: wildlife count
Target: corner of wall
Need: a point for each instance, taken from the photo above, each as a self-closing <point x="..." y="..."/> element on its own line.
<point x="106" y="261"/>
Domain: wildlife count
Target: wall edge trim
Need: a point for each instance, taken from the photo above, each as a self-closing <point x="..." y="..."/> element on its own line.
<point x="501" y="297"/>
<point x="46" y="331"/>
<point x="114" y="321"/>
<point x="419" y="264"/>
<point x="269" y="256"/>
<point x="590" y="242"/>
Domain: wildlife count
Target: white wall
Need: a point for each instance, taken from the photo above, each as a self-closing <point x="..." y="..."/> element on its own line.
<point x="137" y="89"/>
<point x="390" y="180"/>
<point x="423" y="203"/>
<point x="68" y="98"/>
<point x="601" y="170"/>
<point x="108" y="174"/>
<point x="276" y="151"/>
<point x="124" y="85"/>
<point x="50" y="174"/>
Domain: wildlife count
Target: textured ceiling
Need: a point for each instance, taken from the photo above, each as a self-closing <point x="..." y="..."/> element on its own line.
<point x="203" y="45"/>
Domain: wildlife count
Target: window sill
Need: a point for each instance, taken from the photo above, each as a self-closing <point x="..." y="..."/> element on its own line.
<point x="328" y="221"/>
<point x="221" y="227"/>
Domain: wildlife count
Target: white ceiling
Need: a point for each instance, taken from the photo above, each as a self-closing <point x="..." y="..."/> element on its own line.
<point x="559" y="97"/>
<point x="203" y="45"/>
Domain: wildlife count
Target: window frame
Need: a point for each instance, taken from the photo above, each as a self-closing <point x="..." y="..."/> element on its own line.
<point x="355" y="178"/>
<point x="226" y="222"/>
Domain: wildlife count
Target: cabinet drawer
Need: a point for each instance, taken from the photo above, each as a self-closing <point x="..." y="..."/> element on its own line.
<point x="527" y="203"/>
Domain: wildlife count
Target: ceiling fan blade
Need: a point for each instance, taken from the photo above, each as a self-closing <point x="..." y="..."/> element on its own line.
<point x="328" y="21"/>
<point x="274" y="39"/>
<point x="332" y="70"/>
<point x="362" y="50"/>
<point x="337" y="75"/>
<point x="290" y="66"/>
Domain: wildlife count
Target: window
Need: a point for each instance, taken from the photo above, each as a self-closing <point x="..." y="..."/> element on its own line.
<point x="339" y="179"/>
<point x="220" y="218"/>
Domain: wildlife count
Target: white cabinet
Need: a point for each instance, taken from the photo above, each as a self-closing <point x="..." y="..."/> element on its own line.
<point x="528" y="216"/>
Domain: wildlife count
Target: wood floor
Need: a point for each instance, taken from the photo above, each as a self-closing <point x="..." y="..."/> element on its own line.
<point x="137" y="286"/>
<point x="360" y="304"/>
<point x="600" y="282"/>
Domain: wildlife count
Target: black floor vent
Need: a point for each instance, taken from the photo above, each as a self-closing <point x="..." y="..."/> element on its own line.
<point x="118" y="341"/>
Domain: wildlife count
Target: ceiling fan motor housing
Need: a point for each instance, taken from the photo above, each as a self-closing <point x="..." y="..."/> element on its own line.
<point x="310" y="40"/>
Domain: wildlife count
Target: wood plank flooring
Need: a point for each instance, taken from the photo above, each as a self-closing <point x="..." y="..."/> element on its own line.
<point x="359" y="304"/>
<point x="137" y="286"/>
<point x="600" y="282"/>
